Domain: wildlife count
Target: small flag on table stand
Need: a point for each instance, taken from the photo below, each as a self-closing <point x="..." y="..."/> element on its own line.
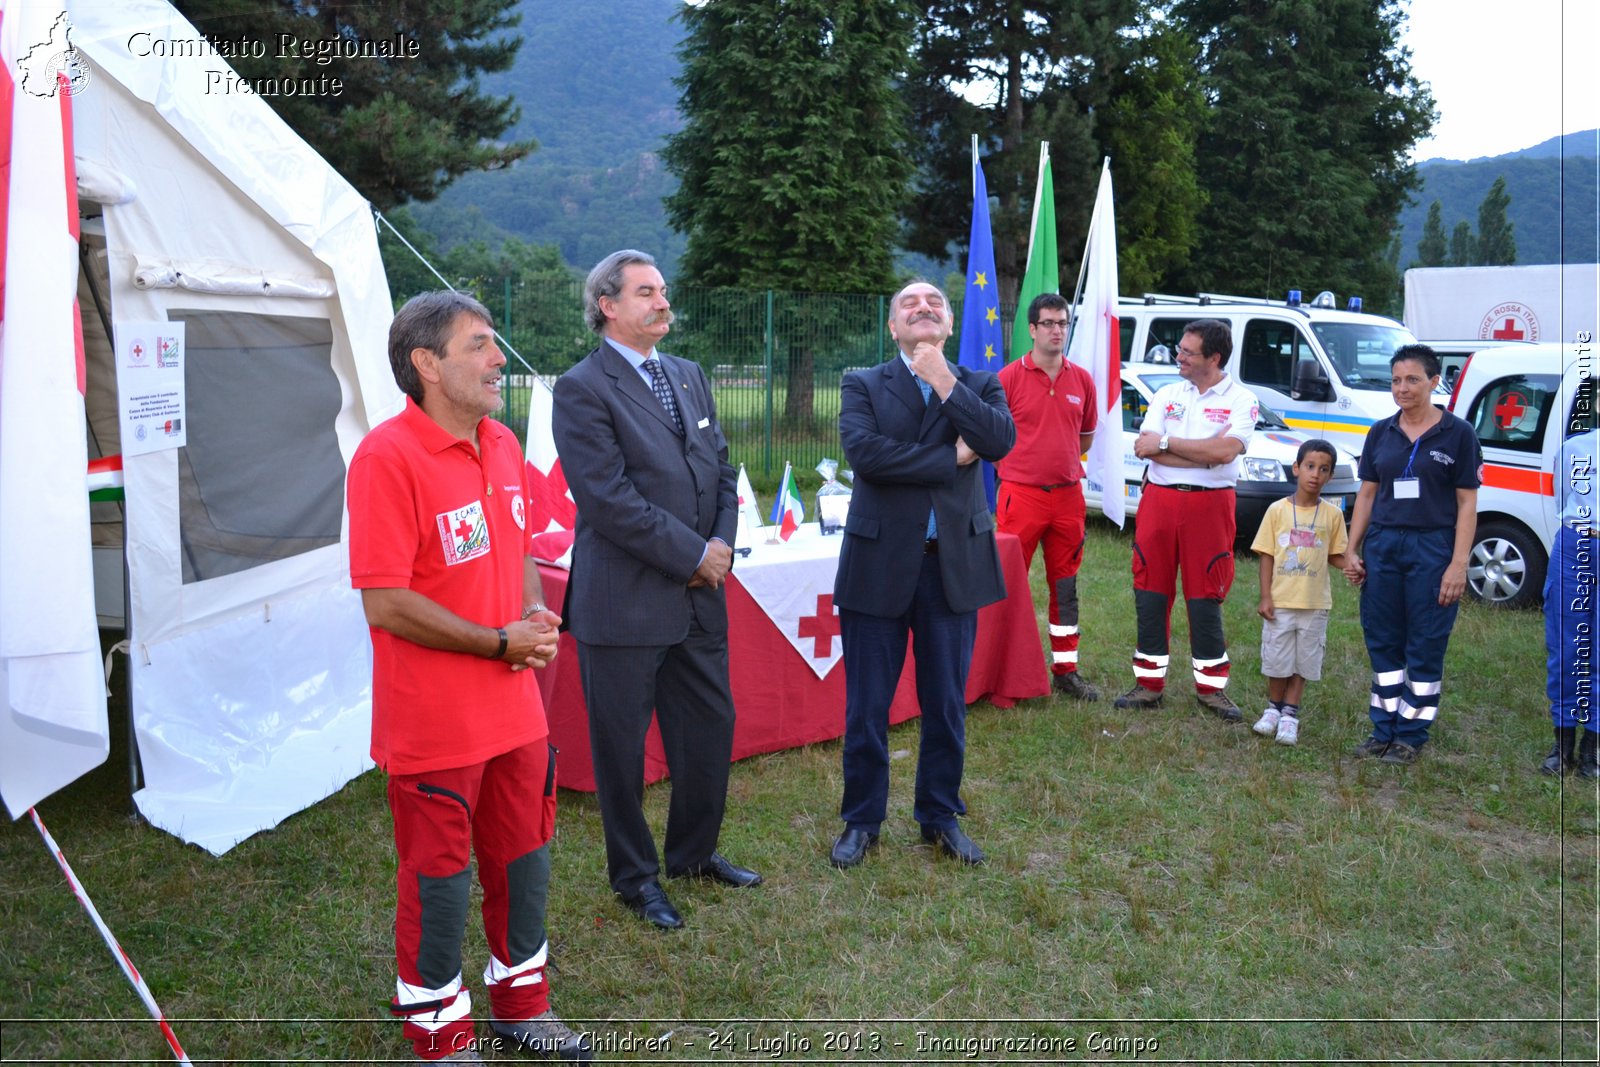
<point x="787" y="511"/>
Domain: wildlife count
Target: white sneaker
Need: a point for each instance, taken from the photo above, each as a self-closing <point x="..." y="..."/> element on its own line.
<point x="1288" y="729"/>
<point x="1268" y="723"/>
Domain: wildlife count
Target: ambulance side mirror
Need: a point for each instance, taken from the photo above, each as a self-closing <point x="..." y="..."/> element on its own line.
<point x="1310" y="383"/>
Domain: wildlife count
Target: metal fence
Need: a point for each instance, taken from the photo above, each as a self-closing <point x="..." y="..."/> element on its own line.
<point x="774" y="358"/>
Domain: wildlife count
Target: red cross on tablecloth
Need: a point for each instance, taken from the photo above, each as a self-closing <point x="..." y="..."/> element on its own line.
<point x="823" y="626"/>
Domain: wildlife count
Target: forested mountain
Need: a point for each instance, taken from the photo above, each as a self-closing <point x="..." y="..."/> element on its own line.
<point x="594" y="81"/>
<point x="1552" y="189"/>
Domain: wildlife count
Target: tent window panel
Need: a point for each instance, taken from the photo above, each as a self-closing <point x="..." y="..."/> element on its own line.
<point x="261" y="478"/>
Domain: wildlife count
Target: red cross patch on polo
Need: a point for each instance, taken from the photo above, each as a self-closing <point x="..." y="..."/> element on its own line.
<point x="464" y="533"/>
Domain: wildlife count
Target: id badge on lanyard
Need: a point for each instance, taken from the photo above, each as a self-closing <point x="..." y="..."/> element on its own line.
<point x="1406" y="487"/>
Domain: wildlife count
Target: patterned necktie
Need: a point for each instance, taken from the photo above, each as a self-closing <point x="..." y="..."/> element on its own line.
<point x="663" y="390"/>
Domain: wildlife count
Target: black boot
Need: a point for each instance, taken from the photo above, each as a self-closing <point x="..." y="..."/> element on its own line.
<point x="1588" y="763"/>
<point x="1559" y="762"/>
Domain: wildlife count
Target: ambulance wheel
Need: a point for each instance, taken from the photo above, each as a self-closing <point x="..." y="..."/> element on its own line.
<point x="1506" y="568"/>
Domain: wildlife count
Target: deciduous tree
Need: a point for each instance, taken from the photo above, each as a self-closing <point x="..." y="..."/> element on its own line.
<point x="1497" y="241"/>
<point x="1433" y="248"/>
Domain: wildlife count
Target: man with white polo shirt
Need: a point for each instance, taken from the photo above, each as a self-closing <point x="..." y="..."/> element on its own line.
<point x="1193" y="435"/>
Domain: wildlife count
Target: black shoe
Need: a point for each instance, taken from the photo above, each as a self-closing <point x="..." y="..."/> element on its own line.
<point x="719" y="869"/>
<point x="1138" y="697"/>
<point x="1371" y="747"/>
<point x="1072" y="684"/>
<point x="1217" y="703"/>
<point x="547" y="1036"/>
<point x="1401" y="753"/>
<point x="953" y="843"/>
<point x="650" y="903"/>
<point x="1561" y="760"/>
<point x="1588" y="757"/>
<point x="851" y="848"/>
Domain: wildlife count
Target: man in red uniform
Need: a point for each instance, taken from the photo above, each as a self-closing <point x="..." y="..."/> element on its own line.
<point x="1193" y="436"/>
<point x="1040" y="498"/>
<point x="438" y="548"/>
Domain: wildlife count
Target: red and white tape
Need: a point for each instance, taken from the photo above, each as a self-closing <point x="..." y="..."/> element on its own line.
<point x="111" y="942"/>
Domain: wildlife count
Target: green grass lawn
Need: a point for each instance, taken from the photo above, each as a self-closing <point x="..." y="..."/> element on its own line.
<point x="1160" y="887"/>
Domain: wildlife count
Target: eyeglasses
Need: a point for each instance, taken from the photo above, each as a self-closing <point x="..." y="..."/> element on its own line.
<point x="1190" y="352"/>
<point x="1051" y="324"/>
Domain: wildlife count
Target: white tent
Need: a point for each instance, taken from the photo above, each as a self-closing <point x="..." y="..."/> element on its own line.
<point x="250" y="663"/>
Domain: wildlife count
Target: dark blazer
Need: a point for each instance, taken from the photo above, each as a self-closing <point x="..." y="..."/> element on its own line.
<point x="648" y="500"/>
<point x="902" y="453"/>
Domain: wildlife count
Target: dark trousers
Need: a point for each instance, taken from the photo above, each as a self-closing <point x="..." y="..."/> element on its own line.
<point x="1406" y="629"/>
<point x="686" y="685"/>
<point x="874" y="656"/>
<point x="1571" y="628"/>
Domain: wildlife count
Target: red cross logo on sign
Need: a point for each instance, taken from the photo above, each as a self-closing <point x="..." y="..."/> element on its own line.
<point x="1508" y="332"/>
<point x="823" y="626"/>
<point x="1509" y="408"/>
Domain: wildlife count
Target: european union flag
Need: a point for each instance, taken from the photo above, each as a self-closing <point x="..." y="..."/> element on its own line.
<point x="982" y="344"/>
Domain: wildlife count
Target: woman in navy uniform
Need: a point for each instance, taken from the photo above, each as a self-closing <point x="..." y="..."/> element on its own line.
<point x="1410" y="536"/>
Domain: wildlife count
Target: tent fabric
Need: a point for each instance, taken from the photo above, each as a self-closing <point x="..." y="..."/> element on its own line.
<point x="250" y="689"/>
<point x="53" y="724"/>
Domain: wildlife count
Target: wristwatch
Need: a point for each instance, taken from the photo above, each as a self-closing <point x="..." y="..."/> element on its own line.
<point x="1164" y="440"/>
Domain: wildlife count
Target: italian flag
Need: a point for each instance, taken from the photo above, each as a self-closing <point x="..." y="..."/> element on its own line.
<point x="1043" y="273"/>
<point x="787" y="511"/>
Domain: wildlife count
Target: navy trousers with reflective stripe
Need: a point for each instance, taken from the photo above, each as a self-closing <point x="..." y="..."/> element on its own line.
<point x="1407" y="631"/>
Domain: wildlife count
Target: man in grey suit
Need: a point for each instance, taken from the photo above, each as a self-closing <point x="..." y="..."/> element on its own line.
<point x="648" y="468"/>
<point x="918" y="556"/>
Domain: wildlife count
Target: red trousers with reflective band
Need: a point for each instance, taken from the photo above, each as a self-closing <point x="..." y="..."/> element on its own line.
<point x="1054" y="518"/>
<point x="1189" y="534"/>
<point x="502" y="810"/>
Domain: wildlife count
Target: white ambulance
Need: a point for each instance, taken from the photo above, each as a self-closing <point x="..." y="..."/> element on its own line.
<point x="1522" y="402"/>
<point x="1323" y="369"/>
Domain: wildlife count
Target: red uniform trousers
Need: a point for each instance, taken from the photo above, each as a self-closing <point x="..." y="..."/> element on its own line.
<point x="1191" y="533"/>
<point x="1054" y="517"/>
<point x="504" y="811"/>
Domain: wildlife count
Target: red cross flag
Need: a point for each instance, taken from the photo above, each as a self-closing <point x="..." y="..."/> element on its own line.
<point x="550" y="506"/>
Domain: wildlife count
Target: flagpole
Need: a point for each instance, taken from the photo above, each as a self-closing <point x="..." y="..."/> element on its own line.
<point x="974" y="164"/>
<point x="1038" y="199"/>
<point x="1083" y="264"/>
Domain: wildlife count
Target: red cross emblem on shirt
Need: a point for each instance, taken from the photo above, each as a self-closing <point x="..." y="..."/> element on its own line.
<point x="1510" y="408"/>
<point x="823" y="626"/>
<point x="464" y="531"/>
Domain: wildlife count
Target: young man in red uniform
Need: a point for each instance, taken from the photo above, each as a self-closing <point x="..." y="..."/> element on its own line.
<point x="1193" y="435"/>
<point x="438" y="548"/>
<point x="1041" y="500"/>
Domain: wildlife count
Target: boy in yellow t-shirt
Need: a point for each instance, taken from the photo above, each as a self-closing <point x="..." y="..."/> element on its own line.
<point x="1299" y="538"/>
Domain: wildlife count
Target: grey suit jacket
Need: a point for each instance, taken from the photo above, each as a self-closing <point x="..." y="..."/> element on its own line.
<point x="903" y="454"/>
<point x="648" y="500"/>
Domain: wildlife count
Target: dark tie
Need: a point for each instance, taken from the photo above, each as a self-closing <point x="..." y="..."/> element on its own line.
<point x="663" y="390"/>
<point x="927" y="397"/>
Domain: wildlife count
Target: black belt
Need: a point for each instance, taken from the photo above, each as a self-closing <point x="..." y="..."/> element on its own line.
<point x="1058" y="485"/>
<point x="930" y="547"/>
<point x="1193" y="488"/>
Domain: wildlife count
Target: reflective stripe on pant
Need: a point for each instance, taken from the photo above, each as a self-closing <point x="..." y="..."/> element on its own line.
<point x="1571" y="623"/>
<point x="1189" y="535"/>
<point x="1054" y="519"/>
<point x="503" y="810"/>
<point x="1406" y="629"/>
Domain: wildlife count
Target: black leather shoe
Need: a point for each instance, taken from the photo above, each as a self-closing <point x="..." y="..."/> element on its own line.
<point x="953" y="843"/>
<point x="650" y="903"/>
<point x="719" y="869"/>
<point x="851" y="848"/>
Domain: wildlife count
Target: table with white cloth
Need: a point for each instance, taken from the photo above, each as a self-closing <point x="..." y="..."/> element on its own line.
<point x="784" y="655"/>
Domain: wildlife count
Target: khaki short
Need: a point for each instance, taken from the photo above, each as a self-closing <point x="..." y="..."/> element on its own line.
<point x="1292" y="643"/>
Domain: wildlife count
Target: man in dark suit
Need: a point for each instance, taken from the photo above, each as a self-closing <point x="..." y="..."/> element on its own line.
<point x="918" y="556"/>
<point x="657" y="506"/>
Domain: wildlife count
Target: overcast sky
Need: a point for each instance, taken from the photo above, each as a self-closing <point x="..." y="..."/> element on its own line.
<point x="1505" y="75"/>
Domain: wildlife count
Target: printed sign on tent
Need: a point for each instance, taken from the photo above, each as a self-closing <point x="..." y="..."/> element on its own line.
<point x="150" y="396"/>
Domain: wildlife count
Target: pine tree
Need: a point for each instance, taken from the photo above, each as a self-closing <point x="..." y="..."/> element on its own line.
<point x="792" y="161"/>
<point x="1463" y="246"/>
<point x="1051" y="69"/>
<point x="1432" y="248"/>
<point x="1497" y="242"/>
<point x="398" y="128"/>
<point x="1315" y="111"/>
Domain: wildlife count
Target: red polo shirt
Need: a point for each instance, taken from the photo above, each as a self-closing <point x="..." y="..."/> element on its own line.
<point x="1049" y="417"/>
<point x="431" y="514"/>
